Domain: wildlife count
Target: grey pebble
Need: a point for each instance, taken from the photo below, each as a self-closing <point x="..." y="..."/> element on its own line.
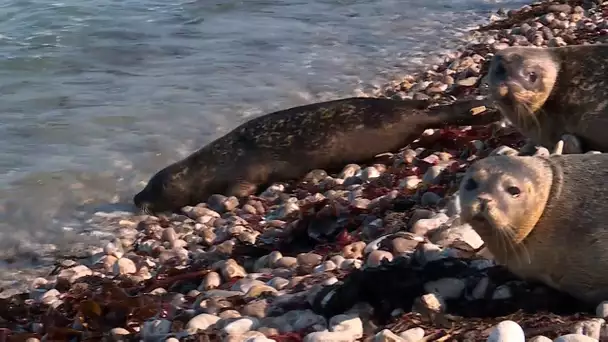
<point x="429" y="199"/>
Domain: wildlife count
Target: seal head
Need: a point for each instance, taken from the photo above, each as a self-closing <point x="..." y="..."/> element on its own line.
<point x="167" y="189"/>
<point x="521" y="80"/>
<point x="503" y="197"/>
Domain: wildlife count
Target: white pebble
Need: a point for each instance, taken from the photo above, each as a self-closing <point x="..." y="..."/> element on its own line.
<point x="412" y="335"/>
<point x="240" y="326"/>
<point x="328" y="336"/>
<point x="347" y="324"/>
<point x="507" y="331"/>
<point x="201" y="322"/>
<point x="540" y="338"/>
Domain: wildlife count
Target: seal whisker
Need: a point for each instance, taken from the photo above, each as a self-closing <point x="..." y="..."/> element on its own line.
<point x="518" y="247"/>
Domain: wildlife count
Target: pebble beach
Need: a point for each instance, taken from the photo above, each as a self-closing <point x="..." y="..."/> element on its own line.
<point x="374" y="253"/>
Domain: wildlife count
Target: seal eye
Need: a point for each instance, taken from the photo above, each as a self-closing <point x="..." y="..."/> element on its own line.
<point x="532" y="77"/>
<point x="470" y="185"/>
<point x="514" y="191"/>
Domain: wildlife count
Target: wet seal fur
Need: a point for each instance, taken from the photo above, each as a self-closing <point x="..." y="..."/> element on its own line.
<point x="287" y="144"/>
<point x="543" y="218"/>
<point x="554" y="93"/>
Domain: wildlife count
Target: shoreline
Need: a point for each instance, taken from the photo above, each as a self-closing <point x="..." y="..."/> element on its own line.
<point x="216" y="268"/>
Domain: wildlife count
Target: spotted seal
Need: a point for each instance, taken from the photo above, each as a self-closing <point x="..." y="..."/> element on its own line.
<point x="554" y="93"/>
<point x="543" y="218"/>
<point x="285" y="145"/>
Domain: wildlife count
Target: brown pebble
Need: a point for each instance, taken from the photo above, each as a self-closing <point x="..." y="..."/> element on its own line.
<point x="269" y="331"/>
<point x="124" y="266"/>
<point x="565" y="8"/>
<point x="286" y="262"/>
<point x="309" y="259"/>
<point x="257" y="290"/>
<point x="248" y="208"/>
<point x="169" y="234"/>
<point x="108" y="262"/>
<point x="231" y="269"/>
<point x="256" y="308"/>
<point x="227" y="314"/>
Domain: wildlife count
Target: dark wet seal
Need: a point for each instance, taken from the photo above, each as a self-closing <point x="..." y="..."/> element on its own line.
<point x="285" y="145"/>
<point x="549" y="93"/>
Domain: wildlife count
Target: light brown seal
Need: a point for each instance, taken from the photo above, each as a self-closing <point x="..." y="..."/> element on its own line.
<point x="287" y="144"/>
<point x="544" y="218"/>
<point x="551" y="92"/>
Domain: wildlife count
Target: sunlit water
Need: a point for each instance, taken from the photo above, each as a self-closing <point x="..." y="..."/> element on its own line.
<point x="97" y="95"/>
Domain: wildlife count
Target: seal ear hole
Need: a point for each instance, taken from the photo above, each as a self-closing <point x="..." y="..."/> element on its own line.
<point x="470" y="185"/>
<point x="532" y="77"/>
<point x="514" y="191"/>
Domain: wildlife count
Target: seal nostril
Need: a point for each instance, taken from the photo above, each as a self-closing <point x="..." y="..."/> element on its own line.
<point x="484" y="200"/>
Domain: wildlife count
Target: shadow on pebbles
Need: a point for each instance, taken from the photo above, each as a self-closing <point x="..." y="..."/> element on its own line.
<point x="374" y="253"/>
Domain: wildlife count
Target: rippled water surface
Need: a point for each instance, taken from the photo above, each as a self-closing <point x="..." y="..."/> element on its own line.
<point x="97" y="95"/>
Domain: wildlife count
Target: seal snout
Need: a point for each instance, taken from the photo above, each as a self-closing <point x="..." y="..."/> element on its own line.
<point x="499" y="76"/>
<point x="140" y="201"/>
<point x="500" y="70"/>
<point x="484" y="201"/>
